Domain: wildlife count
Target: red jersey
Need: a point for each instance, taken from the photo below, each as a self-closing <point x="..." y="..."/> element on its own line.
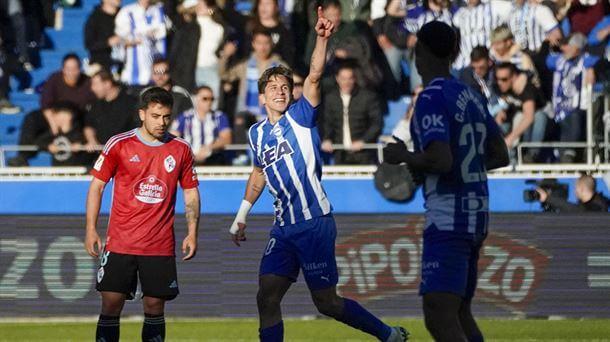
<point x="146" y="177"/>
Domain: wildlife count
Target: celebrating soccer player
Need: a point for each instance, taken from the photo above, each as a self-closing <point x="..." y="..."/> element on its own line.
<point x="456" y="143"/>
<point x="286" y="149"/>
<point x="146" y="164"/>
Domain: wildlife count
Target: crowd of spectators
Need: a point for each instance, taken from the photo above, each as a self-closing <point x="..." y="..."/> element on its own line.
<point x="531" y="60"/>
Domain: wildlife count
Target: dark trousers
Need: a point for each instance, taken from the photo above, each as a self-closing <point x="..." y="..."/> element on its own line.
<point x="572" y="129"/>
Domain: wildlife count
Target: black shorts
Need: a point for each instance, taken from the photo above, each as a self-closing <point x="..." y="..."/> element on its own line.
<point x="120" y="272"/>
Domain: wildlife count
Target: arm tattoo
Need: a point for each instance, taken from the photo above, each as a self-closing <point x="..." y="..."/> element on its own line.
<point x="192" y="213"/>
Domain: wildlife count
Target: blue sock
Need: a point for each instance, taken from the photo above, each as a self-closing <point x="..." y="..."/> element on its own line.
<point x="358" y="317"/>
<point x="273" y="333"/>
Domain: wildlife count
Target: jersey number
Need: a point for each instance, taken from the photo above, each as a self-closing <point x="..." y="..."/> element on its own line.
<point x="467" y="138"/>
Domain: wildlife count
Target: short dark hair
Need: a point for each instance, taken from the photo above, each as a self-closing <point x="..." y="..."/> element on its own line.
<point x="507" y="65"/>
<point x="479" y="52"/>
<point x="260" y="30"/>
<point x="156" y="95"/>
<point x="105" y="76"/>
<point x="203" y="87"/>
<point x="157" y="59"/>
<point x="331" y="3"/>
<point x="275" y="71"/>
<point x="349" y="63"/>
<point x="71" y="55"/>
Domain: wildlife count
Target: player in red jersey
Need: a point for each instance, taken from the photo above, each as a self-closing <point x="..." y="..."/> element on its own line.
<point x="146" y="164"/>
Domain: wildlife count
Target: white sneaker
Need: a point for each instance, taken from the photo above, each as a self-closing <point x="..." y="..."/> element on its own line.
<point x="399" y="334"/>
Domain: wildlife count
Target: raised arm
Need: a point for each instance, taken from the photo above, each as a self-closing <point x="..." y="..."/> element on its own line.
<point x="192" y="211"/>
<point x="93" y="243"/>
<point x="254" y="188"/>
<point x="311" y="86"/>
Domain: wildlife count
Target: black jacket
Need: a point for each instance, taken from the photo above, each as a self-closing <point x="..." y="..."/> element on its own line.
<point x="598" y="203"/>
<point x="114" y="117"/>
<point x="98" y="28"/>
<point x="183" y="53"/>
<point x="364" y="116"/>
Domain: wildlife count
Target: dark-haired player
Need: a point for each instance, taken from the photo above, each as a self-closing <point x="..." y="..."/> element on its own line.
<point x="286" y="148"/>
<point x="146" y="164"/>
<point x="456" y="143"/>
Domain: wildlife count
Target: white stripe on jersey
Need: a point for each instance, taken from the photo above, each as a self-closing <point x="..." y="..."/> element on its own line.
<point x="259" y="140"/>
<point x="115" y="139"/>
<point x="297" y="184"/>
<point x="304" y="140"/>
<point x="288" y="197"/>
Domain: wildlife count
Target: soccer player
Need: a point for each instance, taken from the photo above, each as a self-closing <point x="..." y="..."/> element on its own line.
<point x="456" y="143"/>
<point x="146" y="164"/>
<point x="286" y="148"/>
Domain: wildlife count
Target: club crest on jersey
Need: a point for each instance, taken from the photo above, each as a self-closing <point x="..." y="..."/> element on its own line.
<point x="277" y="131"/>
<point x="150" y="190"/>
<point x="169" y="163"/>
<point x="275" y="153"/>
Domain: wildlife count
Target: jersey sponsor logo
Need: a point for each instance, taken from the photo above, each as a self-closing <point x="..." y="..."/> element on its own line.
<point x="169" y="163"/>
<point x="134" y="159"/>
<point x="275" y="153"/>
<point x="432" y="120"/>
<point x="150" y="190"/>
<point x="98" y="163"/>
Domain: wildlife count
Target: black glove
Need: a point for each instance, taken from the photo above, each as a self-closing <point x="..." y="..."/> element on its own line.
<point x="395" y="153"/>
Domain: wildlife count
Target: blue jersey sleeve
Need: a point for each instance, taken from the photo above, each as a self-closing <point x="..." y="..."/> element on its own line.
<point x="303" y="112"/>
<point x="551" y="61"/>
<point x="252" y="139"/>
<point x="223" y="122"/>
<point x="431" y="119"/>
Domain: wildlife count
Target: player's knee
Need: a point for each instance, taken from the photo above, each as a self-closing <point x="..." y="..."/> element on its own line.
<point x="329" y="306"/>
<point x="153" y="306"/>
<point x="112" y="308"/>
<point x="267" y="301"/>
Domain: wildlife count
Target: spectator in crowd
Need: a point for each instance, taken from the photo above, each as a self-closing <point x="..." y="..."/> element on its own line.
<point x="70" y="86"/>
<point x="523" y="119"/>
<point x="392" y="37"/>
<point x="266" y="16"/>
<point x="37" y="128"/>
<point x="583" y="15"/>
<point x="161" y="78"/>
<point x="351" y="117"/>
<point x="572" y="72"/>
<point x="65" y="143"/>
<point x="142" y="27"/>
<point x="205" y="129"/>
<point x="504" y="49"/>
<point x="533" y="23"/>
<point x="356" y="11"/>
<point x="16" y="28"/>
<point x="348" y="42"/>
<point x="589" y="200"/>
<point x="427" y="11"/>
<point x="600" y="38"/>
<point x="194" y="64"/>
<point x="297" y="86"/>
<point x="248" y="72"/>
<point x="479" y="76"/>
<point x="100" y="38"/>
<point x="475" y="23"/>
<point x="112" y="113"/>
<point x="7" y="65"/>
<point x="402" y="130"/>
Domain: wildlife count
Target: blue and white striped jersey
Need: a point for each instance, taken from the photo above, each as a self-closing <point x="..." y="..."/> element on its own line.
<point x="450" y="112"/>
<point x="289" y="154"/>
<point x="475" y="24"/>
<point x="133" y="22"/>
<point x="530" y="24"/>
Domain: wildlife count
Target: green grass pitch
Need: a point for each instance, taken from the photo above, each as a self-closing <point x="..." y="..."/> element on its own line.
<point x="312" y="330"/>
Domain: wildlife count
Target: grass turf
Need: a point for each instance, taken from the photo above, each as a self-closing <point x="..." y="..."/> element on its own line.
<point x="315" y="330"/>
